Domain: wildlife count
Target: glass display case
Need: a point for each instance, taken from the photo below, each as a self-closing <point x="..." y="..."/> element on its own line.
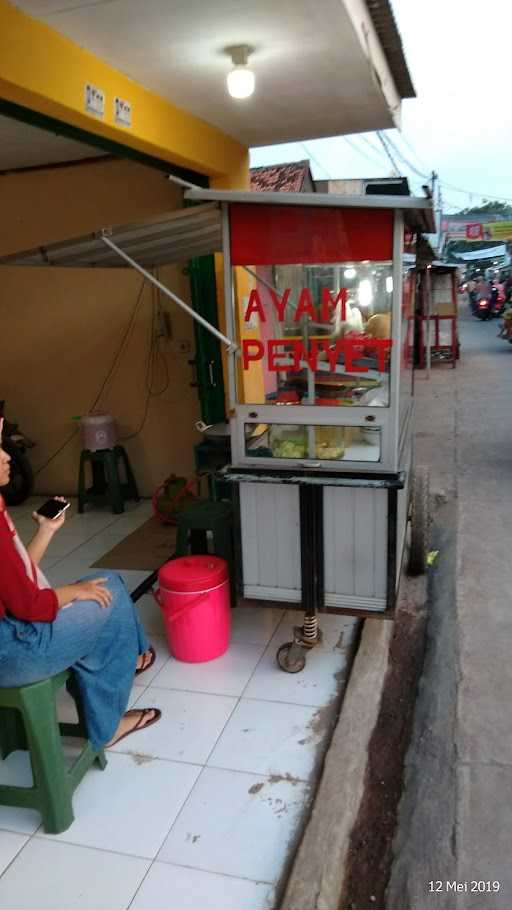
<point x="315" y="315"/>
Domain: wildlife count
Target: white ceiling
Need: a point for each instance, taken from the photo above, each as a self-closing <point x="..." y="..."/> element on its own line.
<point x="313" y="77"/>
<point x="22" y="145"/>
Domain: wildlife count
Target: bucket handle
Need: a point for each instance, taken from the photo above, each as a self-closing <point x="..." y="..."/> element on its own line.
<point x="177" y="614"/>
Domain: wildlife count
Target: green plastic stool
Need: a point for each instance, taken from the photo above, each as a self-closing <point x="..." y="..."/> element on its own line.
<point x="107" y="486"/>
<point x="28" y="720"/>
<point x="194" y="522"/>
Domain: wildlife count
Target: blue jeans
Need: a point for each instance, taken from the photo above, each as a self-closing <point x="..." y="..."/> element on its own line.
<point x="99" y="645"/>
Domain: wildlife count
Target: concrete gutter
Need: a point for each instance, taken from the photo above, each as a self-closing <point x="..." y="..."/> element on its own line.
<point x="317" y="877"/>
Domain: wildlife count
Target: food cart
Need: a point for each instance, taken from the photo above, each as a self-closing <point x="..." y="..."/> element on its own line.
<point x="320" y="305"/>
<point x="438" y="295"/>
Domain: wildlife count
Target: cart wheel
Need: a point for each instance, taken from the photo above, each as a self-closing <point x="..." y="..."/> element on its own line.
<point x="293" y="665"/>
<point x="420" y="521"/>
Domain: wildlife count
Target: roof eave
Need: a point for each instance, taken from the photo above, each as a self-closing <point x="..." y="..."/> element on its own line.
<point x="385" y="25"/>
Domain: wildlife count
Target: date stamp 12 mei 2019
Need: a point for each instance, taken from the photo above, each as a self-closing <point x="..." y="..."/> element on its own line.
<point x="470" y="887"/>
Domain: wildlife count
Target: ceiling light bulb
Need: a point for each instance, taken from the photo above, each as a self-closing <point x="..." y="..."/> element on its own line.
<point x="365" y="292"/>
<point x="241" y="82"/>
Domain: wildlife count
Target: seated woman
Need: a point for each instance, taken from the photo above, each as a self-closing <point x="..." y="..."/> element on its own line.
<point x="90" y="627"/>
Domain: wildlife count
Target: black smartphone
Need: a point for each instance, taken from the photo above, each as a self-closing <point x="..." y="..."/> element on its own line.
<point x="52" y="508"/>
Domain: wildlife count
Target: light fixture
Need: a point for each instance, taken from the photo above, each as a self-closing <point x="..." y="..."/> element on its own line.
<point x="349" y="273"/>
<point x="241" y="79"/>
<point x="365" y="292"/>
<point x="389" y="284"/>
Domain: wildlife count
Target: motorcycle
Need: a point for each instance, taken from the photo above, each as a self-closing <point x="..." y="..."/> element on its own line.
<point x="497" y="302"/>
<point x="483" y="308"/>
<point x="15" y="443"/>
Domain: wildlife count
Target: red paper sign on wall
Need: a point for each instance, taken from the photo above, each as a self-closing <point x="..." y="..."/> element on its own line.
<point x="475" y="231"/>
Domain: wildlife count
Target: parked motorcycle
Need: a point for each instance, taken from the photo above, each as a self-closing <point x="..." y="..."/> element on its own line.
<point x="483" y="308"/>
<point x="15" y="443"/>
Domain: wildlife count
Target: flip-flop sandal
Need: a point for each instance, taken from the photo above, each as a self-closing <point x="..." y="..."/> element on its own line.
<point x="139" y="725"/>
<point x="150" y="662"/>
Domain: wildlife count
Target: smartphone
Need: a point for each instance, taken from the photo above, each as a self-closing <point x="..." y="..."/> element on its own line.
<point x="52" y="508"/>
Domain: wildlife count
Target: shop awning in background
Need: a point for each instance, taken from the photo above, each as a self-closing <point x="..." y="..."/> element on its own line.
<point x="492" y="252"/>
<point x="174" y="237"/>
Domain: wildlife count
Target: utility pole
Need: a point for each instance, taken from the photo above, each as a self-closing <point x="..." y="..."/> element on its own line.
<point x="438" y="208"/>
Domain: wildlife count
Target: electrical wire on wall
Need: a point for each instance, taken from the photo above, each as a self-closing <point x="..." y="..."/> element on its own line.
<point x="108" y="378"/>
<point x="154" y="356"/>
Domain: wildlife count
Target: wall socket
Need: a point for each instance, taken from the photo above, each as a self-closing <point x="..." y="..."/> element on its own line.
<point x="163" y="327"/>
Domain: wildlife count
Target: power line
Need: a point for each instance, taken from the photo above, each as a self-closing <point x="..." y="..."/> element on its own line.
<point x="388" y="153"/>
<point x="444" y="183"/>
<point x="398" y="152"/>
<point x="318" y="163"/>
<point x="458" y="189"/>
<point x="405" y="160"/>
<point x="412" y="149"/>
<point x="390" y="146"/>
<point x="449" y="186"/>
<point x="371" y="145"/>
<point x="360" y="151"/>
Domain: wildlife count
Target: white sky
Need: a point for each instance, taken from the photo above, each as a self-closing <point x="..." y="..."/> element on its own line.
<point x="460" y="124"/>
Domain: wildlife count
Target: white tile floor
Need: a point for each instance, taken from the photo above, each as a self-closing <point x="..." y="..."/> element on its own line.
<point x="202" y="809"/>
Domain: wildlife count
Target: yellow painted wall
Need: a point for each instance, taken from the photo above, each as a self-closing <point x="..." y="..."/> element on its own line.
<point x="48" y="205"/>
<point x="61" y="328"/>
<point x="46" y="72"/>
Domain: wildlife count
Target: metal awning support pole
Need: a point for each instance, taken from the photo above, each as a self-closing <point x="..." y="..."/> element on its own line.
<point x="231" y="345"/>
<point x="181" y="182"/>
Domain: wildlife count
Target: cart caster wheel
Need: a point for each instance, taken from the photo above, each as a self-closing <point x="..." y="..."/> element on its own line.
<point x="287" y="662"/>
<point x="420" y="522"/>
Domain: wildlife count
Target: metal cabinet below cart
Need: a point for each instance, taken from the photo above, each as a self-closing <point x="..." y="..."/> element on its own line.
<point x="347" y="532"/>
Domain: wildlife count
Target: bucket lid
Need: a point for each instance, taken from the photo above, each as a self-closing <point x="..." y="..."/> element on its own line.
<point x="193" y="573"/>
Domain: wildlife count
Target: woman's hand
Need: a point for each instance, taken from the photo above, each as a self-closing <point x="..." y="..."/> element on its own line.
<point x="49" y="526"/>
<point x="94" y="589"/>
<point x="46" y="528"/>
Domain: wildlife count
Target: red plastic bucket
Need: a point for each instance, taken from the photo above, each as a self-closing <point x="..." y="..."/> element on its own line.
<point x="194" y="598"/>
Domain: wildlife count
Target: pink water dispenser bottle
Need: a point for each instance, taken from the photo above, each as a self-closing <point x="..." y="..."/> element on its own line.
<point x="98" y="431"/>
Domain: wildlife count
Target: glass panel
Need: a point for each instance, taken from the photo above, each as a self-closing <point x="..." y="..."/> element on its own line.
<point x="314" y="334"/>
<point x="312" y="443"/>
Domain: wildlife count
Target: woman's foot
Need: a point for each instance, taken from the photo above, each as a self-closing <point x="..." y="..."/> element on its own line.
<point x="145" y="660"/>
<point x="133" y="720"/>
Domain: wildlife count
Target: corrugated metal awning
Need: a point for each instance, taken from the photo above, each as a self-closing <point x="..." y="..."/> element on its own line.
<point x="174" y="237"/>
